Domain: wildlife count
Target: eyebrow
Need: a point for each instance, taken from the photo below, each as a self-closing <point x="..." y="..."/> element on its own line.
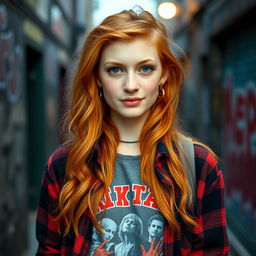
<point x="119" y="63"/>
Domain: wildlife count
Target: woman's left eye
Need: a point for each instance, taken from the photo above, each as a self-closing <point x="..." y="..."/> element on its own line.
<point x="114" y="70"/>
<point x="146" y="68"/>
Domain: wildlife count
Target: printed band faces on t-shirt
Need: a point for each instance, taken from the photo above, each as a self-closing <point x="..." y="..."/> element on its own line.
<point x="132" y="222"/>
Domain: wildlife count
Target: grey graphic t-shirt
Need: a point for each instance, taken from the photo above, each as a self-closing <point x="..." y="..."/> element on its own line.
<point x="132" y="222"/>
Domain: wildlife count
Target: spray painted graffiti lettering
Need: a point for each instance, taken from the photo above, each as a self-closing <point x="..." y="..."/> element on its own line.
<point x="240" y="138"/>
<point x="240" y="117"/>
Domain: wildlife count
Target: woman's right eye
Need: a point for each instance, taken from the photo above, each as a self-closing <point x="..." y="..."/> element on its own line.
<point x="114" y="70"/>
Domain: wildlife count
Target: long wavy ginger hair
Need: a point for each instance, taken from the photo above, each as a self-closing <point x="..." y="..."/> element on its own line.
<point x="90" y="122"/>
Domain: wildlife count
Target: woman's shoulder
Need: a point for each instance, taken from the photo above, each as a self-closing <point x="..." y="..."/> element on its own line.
<point x="204" y="154"/>
<point x="206" y="162"/>
<point x="56" y="165"/>
<point x="60" y="153"/>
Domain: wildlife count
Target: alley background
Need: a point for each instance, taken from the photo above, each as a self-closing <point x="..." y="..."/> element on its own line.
<point x="39" y="42"/>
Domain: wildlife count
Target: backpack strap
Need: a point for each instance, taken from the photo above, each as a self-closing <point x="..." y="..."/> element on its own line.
<point x="187" y="158"/>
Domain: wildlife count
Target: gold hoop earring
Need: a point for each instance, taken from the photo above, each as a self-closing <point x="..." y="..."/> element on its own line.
<point x="100" y="92"/>
<point x="161" y="92"/>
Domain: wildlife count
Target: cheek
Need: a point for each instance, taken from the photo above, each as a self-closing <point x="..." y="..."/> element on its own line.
<point x="152" y="86"/>
<point x="108" y="85"/>
<point x="109" y="89"/>
<point x="152" y="93"/>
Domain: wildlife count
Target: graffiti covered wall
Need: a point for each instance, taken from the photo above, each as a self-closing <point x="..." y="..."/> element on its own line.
<point x="240" y="132"/>
<point x="12" y="133"/>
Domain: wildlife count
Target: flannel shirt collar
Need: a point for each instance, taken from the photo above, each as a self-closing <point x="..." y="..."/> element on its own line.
<point x="161" y="151"/>
<point x="160" y="167"/>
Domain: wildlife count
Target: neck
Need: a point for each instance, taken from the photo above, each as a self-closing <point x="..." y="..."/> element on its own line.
<point x="129" y="141"/>
<point x="129" y="130"/>
<point x="129" y="238"/>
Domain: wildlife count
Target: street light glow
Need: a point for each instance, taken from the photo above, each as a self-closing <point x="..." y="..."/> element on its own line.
<point x="167" y="10"/>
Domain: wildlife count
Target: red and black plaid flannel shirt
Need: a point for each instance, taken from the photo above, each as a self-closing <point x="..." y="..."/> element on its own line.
<point x="209" y="239"/>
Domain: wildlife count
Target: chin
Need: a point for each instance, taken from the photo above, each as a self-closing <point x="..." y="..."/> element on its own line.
<point x="135" y="114"/>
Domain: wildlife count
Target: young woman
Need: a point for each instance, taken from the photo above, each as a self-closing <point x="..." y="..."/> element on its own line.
<point x="123" y="161"/>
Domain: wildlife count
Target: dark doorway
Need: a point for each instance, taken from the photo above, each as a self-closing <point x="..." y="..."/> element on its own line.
<point x="36" y="123"/>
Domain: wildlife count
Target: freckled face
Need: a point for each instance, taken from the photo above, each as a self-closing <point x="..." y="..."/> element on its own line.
<point x="130" y="74"/>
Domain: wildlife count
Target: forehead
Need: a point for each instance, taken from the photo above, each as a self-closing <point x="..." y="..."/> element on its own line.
<point x="111" y="227"/>
<point x="130" y="218"/>
<point x="156" y="222"/>
<point x="130" y="51"/>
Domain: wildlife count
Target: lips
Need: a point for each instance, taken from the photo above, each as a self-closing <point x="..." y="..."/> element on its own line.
<point x="132" y="102"/>
<point x="132" y="99"/>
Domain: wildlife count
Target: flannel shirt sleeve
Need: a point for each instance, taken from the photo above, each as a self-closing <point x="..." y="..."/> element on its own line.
<point x="47" y="233"/>
<point x="210" y="238"/>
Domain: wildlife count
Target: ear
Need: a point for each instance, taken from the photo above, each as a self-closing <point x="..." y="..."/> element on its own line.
<point x="98" y="83"/>
<point x="164" y="78"/>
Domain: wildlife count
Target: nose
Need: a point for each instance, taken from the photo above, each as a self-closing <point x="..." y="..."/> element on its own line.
<point x="130" y="83"/>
